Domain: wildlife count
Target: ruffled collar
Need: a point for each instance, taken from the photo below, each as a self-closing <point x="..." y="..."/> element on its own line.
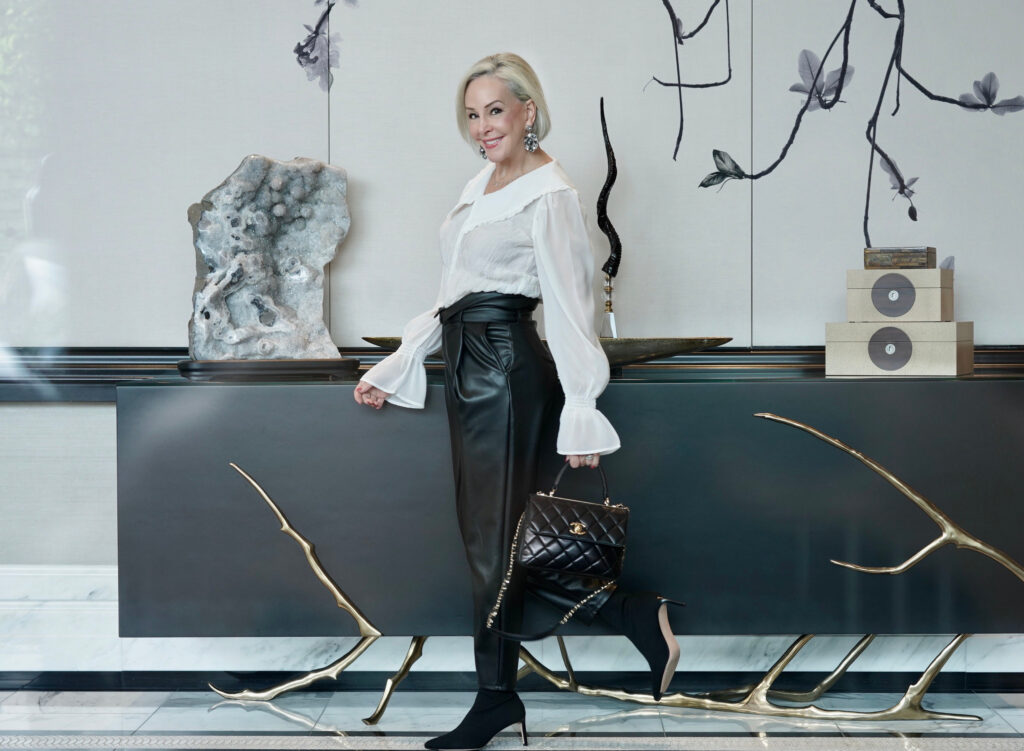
<point x="512" y="198"/>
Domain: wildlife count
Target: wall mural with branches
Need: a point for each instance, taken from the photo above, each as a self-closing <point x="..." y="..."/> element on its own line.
<point x="823" y="82"/>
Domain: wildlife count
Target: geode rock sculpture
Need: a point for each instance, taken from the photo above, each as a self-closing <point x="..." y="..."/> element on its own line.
<point x="262" y="239"/>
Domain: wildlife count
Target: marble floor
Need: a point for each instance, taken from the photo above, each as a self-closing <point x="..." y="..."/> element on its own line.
<point x="200" y="720"/>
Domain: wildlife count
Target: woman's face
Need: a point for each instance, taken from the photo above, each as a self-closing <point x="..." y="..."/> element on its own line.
<point x="497" y="119"/>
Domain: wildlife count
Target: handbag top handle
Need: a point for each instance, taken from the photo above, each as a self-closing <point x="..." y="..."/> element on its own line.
<point x="604" y="482"/>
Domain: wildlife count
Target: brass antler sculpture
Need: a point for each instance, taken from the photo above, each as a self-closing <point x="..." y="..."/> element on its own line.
<point x="367" y="630"/>
<point x="756" y="699"/>
<point x="951" y="533"/>
<point x="753" y="699"/>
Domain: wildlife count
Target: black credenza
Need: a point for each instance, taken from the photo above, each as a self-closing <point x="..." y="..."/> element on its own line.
<point x="734" y="514"/>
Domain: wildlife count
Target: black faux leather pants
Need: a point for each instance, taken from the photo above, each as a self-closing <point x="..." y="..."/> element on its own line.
<point x="504" y="402"/>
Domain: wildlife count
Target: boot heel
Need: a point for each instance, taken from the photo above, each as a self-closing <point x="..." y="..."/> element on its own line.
<point x="522" y="732"/>
<point x="642" y="617"/>
<point x="669" y="669"/>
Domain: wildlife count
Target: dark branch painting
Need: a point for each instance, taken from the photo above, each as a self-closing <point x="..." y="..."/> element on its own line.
<point x="679" y="37"/>
<point x="821" y="90"/>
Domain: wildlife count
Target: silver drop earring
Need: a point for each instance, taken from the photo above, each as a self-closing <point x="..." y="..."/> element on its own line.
<point x="530" y="140"/>
<point x="483" y="152"/>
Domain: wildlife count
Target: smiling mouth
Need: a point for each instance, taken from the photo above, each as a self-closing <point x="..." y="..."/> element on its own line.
<point x="491" y="144"/>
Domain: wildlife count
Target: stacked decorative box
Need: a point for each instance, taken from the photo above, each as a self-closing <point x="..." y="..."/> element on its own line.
<point x="899" y="311"/>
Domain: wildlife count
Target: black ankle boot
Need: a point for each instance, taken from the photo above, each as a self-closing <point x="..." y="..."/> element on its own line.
<point x="642" y="618"/>
<point x="492" y="712"/>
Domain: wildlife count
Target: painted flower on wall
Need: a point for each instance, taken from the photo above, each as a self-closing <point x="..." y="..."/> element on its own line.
<point x="318" y="52"/>
<point x="810" y="69"/>
<point x="727" y="170"/>
<point x="984" y="97"/>
<point x="824" y="91"/>
<point x="899" y="184"/>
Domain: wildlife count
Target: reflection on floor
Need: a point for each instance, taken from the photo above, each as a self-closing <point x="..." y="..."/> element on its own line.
<point x="127" y="720"/>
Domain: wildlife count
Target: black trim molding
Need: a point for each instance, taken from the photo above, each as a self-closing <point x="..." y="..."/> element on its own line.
<point x="91" y="374"/>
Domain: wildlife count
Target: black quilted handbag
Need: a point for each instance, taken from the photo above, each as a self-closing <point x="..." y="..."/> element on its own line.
<point x="567" y="536"/>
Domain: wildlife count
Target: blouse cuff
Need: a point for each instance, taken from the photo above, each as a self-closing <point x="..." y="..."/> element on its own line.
<point x="584" y="430"/>
<point x="403" y="376"/>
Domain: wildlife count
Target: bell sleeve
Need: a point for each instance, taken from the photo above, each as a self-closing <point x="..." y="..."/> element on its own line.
<point x="402" y="373"/>
<point x="565" y="269"/>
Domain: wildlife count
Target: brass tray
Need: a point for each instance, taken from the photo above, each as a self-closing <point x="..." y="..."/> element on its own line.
<point x="622" y="351"/>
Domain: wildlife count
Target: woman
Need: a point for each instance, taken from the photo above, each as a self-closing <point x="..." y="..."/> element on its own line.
<point x="516" y="234"/>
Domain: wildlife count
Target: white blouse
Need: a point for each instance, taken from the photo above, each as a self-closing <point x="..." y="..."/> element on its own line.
<point x="528" y="238"/>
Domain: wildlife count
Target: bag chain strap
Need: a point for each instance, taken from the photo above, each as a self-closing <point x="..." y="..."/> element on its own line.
<point x="584" y="601"/>
<point x="508" y="574"/>
<point x="508" y="577"/>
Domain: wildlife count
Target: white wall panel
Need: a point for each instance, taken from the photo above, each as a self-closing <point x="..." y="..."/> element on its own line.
<point x="146" y="107"/>
<point x="685" y="252"/>
<point x="58" y="484"/>
<point x="808" y="214"/>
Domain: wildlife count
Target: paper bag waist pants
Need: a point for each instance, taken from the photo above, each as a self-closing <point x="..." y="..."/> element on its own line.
<point x="504" y="401"/>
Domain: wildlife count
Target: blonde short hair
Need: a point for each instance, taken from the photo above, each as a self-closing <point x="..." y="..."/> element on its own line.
<point x="520" y="79"/>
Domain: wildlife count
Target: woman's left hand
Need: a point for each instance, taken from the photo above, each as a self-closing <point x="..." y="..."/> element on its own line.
<point x="369" y="395"/>
<point x="583" y="460"/>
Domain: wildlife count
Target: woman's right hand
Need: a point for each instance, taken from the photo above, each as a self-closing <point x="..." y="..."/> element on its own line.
<point x="583" y="460"/>
<point x="369" y="395"/>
